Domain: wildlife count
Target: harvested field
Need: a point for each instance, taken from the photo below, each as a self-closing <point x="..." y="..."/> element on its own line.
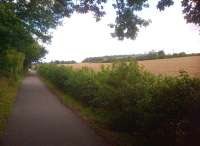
<point x="170" y="66"/>
<point x="174" y="65"/>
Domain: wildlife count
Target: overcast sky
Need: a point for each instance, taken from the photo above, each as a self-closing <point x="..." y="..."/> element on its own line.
<point x="81" y="36"/>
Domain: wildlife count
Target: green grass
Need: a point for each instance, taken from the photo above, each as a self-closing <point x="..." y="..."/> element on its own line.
<point x="8" y="90"/>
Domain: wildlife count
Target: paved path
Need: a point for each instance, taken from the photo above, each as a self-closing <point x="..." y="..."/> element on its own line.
<point x="39" y="119"/>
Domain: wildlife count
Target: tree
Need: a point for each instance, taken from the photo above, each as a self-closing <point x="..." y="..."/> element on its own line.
<point x="17" y="45"/>
<point x="33" y="53"/>
<point x="38" y="16"/>
<point x="191" y="9"/>
<point x="11" y="63"/>
<point x="14" y="36"/>
<point x="161" y="54"/>
<point x="12" y="32"/>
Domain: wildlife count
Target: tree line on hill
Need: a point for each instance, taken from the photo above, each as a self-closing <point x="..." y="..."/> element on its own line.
<point x="62" y="62"/>
<point x="149" y="56"/>
<point x="124" y="58"/>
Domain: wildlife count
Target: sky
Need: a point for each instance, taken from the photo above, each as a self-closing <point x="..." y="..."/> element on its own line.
<point x="80" y="36"/>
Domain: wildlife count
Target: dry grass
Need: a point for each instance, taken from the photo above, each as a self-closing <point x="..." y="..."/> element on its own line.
<point x="160" y="66"/>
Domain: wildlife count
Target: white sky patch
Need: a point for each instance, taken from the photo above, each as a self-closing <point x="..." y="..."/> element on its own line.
<point x="81" y="36"/>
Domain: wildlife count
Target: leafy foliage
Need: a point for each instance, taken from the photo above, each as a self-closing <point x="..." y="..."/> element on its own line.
<point x="156" y="110"/>
<point x="127" y="22"/>
<point x="15" y="37"/>
<point x="38" y="16"/>
<point x="191" y="9"/>
<point x="11" y="63"/>
<point x="164" y="3"/>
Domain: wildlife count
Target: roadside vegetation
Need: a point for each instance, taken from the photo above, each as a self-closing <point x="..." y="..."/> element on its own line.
<point x="8" y="90"/>
<point x="13" y="65"/>
<point x="18" y="50"/>
<point x="151" y="110"/>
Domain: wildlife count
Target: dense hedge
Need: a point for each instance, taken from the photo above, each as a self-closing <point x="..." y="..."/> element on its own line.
<point x="156" y="110"/>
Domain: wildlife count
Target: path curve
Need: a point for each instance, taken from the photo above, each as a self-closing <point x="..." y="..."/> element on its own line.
<point x="39" y="119"/>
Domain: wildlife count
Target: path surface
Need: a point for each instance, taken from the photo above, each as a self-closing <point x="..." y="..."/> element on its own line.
<point x="39" y="119"/>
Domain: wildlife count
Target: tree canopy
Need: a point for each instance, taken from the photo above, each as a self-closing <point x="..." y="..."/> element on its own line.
<point x="38" y="16"/>
<point x="191" y="9"/>
<point x="18" y="47"/>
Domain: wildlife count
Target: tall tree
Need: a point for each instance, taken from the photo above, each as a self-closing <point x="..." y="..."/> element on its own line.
<point x="15" y="36"/>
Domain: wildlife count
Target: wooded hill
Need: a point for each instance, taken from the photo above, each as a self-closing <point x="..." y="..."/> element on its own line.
<point x="149" y="56"/>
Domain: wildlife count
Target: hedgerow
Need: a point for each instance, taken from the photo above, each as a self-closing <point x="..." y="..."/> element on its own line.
<point x="159" y="110"/>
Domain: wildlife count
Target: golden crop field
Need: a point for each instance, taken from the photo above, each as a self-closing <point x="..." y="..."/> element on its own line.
<point x="170" y="66"/>
<point x="173" y="66"/>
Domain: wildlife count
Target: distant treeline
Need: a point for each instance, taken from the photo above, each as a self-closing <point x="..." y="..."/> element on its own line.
<point x="63" y="62"/>
<point x="149" y="56"/>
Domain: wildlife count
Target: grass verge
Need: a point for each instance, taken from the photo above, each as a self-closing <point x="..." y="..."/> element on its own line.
<point x="8" y="91"/>
<point x="91" y="118"/>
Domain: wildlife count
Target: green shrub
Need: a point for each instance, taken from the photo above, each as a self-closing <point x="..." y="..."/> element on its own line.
<point x="159" y="110"/>
<point x="175" y="109"/>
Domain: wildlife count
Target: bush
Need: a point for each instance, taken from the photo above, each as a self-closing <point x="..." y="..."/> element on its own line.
<point x="159" y="110"/>
<point x="175" y="109"/>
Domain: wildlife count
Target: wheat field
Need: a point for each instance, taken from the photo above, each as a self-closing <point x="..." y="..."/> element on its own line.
<point x="170" y="66"/>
